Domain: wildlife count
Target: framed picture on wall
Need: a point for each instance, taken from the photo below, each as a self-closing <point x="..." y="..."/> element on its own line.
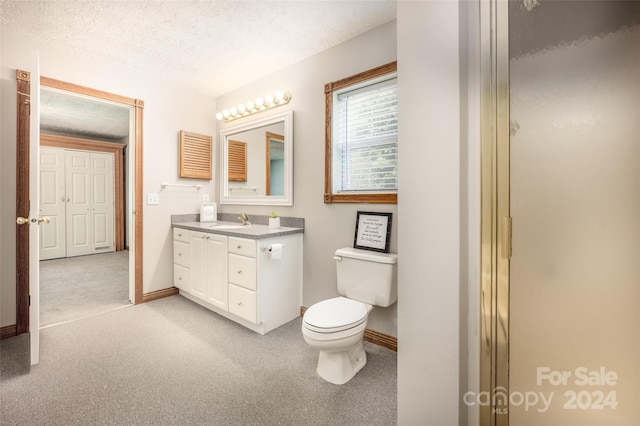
<point x="373" y="231"/>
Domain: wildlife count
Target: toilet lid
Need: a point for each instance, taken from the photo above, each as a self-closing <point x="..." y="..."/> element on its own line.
<point x="337" y="313"/>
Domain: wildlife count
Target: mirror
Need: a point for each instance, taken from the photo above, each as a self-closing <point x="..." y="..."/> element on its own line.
<point x="257" y="161"/>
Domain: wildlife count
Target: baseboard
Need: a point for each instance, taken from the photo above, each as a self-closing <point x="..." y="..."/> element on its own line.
<point x="8" y="331"/>
<point x="159" y="294"/>
<point x="373" y="336"/>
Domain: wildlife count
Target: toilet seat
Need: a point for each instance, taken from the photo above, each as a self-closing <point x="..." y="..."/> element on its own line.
<point x="335" y="315"/>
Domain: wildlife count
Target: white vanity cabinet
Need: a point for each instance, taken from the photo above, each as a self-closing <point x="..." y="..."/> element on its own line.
<point x="243" y="278"/>
<point x="209" y="268"/>
<point x="181" y="259"/>
<point x="238" y="278"/>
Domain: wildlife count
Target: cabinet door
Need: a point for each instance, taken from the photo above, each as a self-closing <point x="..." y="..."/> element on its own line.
<point x="180" y="234"/>
<point x="181" y="277"/>
<point x="242" y="302"/>
<point x="217" y="270"/>
<point x="198" y="264"/>
<point x="182" y="254"/>
<point x="242" y="271"/>
<point x="242" y="246"/>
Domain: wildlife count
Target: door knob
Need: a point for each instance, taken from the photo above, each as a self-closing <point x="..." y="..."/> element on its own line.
<point x="22" y="220"/>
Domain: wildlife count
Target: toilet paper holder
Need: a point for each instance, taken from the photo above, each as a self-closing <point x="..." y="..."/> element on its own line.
<point x="268" y="248"/>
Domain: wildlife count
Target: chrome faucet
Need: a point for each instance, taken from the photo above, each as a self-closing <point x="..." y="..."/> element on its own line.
<point x="243" y="218"/>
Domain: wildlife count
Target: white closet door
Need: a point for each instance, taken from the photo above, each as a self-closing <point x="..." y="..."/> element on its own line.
<point x="102" y="208"/>
<point x="52" y="203"/>
<point x="78" y="180"/>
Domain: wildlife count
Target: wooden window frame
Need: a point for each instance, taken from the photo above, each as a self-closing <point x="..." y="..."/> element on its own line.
<point x="268" y="137"/>
<point x="329" y="88"/>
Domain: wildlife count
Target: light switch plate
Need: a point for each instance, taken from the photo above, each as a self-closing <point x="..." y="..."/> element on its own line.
<point x="153" y="199"/>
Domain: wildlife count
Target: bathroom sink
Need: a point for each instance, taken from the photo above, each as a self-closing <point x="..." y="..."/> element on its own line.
<point x="225" y="226"/>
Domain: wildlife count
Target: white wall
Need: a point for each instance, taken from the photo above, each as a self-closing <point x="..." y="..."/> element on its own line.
<point x="168" y="109"/>
<point x="327" y="226"/>
<point x="437" y="212"/>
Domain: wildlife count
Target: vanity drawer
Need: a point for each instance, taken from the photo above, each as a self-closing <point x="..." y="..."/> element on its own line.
<point x="242" y="302"/>
<point x="242" y="246"/>
<point x="242" y="271"/>
<point x="182" y="254"/>
<point x="180" y="234"/>
<point x="182" y="277"/>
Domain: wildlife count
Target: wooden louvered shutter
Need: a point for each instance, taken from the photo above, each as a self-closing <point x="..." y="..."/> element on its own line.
<point x="237" y="161"/>
<point x="196" y="152"/>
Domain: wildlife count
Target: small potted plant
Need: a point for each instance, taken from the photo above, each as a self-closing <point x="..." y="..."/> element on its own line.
<point x="274" y="220"/>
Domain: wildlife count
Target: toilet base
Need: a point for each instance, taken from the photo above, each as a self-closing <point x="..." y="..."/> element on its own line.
<point x="340" y="367"/>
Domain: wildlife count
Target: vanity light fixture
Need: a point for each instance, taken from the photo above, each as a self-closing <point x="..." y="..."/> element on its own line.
<point x="251" y="107"/>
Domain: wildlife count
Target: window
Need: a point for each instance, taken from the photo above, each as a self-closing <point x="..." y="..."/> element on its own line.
<point x="361" y="138"/>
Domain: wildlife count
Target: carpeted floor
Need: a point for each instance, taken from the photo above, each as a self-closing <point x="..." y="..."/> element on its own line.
<point x="173" y="362"/>
<point x="81" y="286"/>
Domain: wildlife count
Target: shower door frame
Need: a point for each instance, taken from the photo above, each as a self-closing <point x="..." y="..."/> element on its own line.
<point x="495" y="212"/>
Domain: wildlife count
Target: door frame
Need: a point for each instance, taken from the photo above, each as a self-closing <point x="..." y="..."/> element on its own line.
<point x="495" y="234"/>
<point x="22" y="185"/>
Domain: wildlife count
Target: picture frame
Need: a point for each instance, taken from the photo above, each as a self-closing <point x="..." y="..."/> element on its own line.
<point x="373" y="231"/>
<point x="209" y="212"/>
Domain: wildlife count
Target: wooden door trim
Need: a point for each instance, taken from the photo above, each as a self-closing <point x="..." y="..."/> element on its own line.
<point x="23" y="80"/>
<point x="138" y="202"/>
<point x="116" y="149"/>
<point x="269" y="136"/>
<point x="138" y="172"/>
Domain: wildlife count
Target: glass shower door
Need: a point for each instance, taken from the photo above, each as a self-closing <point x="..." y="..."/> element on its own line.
<point x="574" y="309"/>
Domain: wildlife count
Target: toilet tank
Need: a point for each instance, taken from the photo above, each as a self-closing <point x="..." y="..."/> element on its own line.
<point x="367" y="276"/>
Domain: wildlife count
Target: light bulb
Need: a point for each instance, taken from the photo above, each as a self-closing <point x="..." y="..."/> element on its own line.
<point x="226" y="113"/>
<point x="250" y="105"/>
<point x="259" y="102"/>
<point x="242" y="108"/>
<point x="268" y="99"/>
<point x="279" y="96"/>
<point x="219" y="116"/>
<point x="234" y="111"/>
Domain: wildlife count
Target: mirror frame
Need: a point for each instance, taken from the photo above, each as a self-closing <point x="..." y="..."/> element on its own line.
<point x="260" y="200"/>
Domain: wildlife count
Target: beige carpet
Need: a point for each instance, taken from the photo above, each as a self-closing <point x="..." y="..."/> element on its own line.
<point x="172" y="362"/>
<point x="82" y="286"/>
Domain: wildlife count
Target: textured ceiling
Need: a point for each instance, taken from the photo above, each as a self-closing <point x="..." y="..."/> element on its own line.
<point x="65" y="113"/>
<point x="213" y="46"/>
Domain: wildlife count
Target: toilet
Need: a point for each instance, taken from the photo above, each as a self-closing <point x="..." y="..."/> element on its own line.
<point x="336" y="326"/>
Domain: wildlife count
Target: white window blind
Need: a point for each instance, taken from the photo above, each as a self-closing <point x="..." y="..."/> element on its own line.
<point x="365" y="138"/>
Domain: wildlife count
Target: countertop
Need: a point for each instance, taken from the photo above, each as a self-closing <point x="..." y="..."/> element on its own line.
<point x="235" y="229"/>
